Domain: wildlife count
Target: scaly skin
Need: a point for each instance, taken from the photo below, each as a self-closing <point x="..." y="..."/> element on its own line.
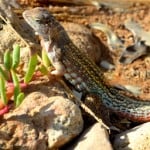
<point x="78" y="69"/>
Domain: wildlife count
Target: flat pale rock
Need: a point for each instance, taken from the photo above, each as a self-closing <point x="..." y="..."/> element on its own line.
<point x="137" y="138"/>
<point x="94" y="138"/>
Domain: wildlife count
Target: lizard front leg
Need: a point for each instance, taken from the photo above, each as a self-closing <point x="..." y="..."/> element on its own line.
<point x="54" y="54"/>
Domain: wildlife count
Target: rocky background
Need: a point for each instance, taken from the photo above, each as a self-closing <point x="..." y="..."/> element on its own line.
<point x="49" y="118"/>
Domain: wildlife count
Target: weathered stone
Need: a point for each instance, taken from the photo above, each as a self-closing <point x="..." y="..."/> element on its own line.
<point x="66" y="121"/>
<point x="96" y="138"/>
<point x="41" y="123"/>
<point x="19" y="132"/>
<point x="137" y="138"/>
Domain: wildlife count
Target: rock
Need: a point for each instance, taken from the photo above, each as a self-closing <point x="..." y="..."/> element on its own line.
<point x="19" y="132"/>
<point x="66" y="122"/>
<point x="113" y="40"/>
<point x="14" y="30"/>
<point x="83" y="38"/>
<point x="41" y="123"/>
<point x="133" y="52"/>
<point x="137" y="138"/>
<point x="96" y="138"/>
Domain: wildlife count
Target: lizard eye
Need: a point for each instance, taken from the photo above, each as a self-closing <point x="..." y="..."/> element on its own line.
<point x="38" y="20"/>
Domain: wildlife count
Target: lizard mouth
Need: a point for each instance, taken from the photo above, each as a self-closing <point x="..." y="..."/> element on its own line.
<point x="27" y="17"/>
<point x="31" y="21"/>
<point x="25" y="14"/>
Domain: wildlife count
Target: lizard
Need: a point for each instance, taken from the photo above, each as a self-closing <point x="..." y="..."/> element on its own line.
<point x="79" y="69"/>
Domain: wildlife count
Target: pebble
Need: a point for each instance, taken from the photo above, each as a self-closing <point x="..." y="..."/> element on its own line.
<point x="137" y="138"/>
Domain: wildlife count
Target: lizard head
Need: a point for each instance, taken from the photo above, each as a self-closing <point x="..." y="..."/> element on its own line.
<point x="42" y="21"/>
<point x="47" y="27"/>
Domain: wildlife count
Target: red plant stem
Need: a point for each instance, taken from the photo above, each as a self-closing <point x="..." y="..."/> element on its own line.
<point x="4" y="110"/>
<point x="22" y="85"/>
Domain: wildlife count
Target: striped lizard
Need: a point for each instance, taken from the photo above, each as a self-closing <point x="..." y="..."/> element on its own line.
<point x="78" y="69"/>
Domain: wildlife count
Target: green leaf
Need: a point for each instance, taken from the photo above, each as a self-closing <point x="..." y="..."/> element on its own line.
<point x="7" y="59"/>
<point x="31" y="68"/>
<point x="3" y="90"/>
<point x="15" y="56"/>
<point x="43" y="70"/>
<point x="15" y="78"/>
<point x="3" y="74"/>
<point x="19" y="99"/>
<point x="17" y="89"/>
<point x="45" y="59"/>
